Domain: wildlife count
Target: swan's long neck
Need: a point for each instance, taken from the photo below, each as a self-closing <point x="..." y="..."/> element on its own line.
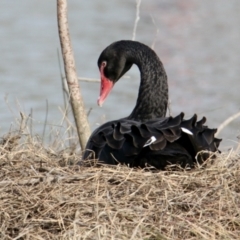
<point x="152" y="98"/>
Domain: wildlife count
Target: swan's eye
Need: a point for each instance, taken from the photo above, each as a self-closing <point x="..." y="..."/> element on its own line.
<point x="104" y="64"/>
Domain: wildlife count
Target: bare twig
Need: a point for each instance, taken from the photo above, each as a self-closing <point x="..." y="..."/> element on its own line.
<point x="77" y="104"/>
<point x="95" y="80"/>
<point x="64" y="90"/>
<point x="31" y="122"/>
<point x="226" y="122"/>
<point x="138" y="3"/>
<point x="23" y="122"/>
<point x="169" y="108"/>
<point x="65" y="98"/>
<point x="45" y="121"/>
<point x="156" y="34"/>
<point x="89" y="111"/>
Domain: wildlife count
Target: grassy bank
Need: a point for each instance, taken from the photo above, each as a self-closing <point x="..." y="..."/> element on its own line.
<point x="44" y="195"/>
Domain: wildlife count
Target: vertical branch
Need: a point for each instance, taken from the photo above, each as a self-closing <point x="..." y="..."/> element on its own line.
<point x="138" y="3"/>
<point x="80" y="116"/>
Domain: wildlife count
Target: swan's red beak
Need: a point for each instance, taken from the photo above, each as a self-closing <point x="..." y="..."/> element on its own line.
<point x="106" y="86"/>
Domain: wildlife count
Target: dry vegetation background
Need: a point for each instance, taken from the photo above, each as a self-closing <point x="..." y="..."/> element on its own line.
<point x="44" y="195"/>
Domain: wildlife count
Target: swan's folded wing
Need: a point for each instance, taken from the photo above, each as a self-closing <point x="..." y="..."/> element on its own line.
<point x="164" y="138"/>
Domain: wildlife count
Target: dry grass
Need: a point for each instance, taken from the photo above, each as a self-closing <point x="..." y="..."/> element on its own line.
<point x="44" y="195"/>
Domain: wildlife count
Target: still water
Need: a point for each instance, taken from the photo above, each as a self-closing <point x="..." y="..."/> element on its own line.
<point x="198" y="42"/>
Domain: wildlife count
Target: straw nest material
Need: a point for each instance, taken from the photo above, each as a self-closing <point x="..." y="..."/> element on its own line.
<point x="44" y="195"/>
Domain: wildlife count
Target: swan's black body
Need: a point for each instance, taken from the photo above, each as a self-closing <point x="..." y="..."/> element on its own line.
<point x="146" y="136"/>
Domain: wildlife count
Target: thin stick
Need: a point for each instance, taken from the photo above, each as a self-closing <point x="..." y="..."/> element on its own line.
<point x="45" y="121"/>
<point x="65" y="91"/>
<point x="31" y="123"/>
<point x="95" y="80"/>
<point x="89" y="111"/>
<point x="65" y="98"/>
<point x="226" y="122"/>
<point x="169" y="108"/>
<point x="136" y="19"/>
<point x="156" y="34"/>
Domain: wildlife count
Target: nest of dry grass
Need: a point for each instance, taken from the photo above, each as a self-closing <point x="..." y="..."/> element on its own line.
<point x="44" y="195"/>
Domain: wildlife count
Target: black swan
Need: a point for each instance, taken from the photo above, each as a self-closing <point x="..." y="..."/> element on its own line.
<point x="146" y="137"/>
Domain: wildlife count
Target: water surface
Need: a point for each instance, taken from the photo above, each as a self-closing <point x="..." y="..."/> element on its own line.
<point x="198" y="42"/>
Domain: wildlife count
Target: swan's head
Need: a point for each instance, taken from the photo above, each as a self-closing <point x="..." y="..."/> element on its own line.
<point x="112" y="64"/>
